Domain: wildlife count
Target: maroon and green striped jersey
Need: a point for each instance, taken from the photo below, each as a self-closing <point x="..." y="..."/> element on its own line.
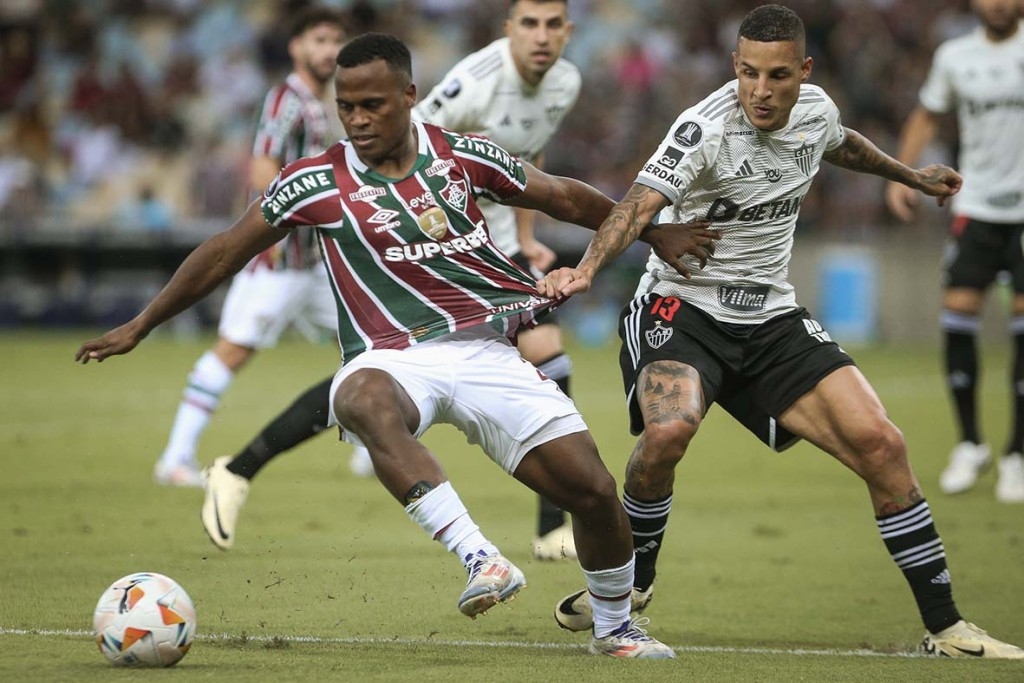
<point x="293" y="124"/>
<point x="410" y="259"/>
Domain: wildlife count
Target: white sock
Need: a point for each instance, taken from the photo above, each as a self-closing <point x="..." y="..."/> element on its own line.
<point x="442" y="515"/>
<point x="610" y="591"/>
<point x="208" y="380"/>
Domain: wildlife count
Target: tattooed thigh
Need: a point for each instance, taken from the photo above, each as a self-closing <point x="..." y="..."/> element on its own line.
<point x="670" y="391"/>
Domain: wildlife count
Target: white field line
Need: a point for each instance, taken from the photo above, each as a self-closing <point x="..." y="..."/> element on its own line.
<point x="227" y="638"/>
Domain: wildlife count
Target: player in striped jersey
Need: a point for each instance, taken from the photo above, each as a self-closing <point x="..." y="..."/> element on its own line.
<point x="516" y="92"/>
<point x="285" y="284"/>
<point x="981" y="77"/>
<point x="734" y="333"/>
<point x="426" y="306"/>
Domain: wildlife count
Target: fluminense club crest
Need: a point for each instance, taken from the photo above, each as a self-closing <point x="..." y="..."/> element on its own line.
<point x="658" y="335"/>
<point x="455" y="194"/>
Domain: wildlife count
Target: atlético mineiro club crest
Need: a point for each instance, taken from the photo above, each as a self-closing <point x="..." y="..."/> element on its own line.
<point x="455" y="194"/>
<point x="433" y="223"/>
<point x="804" y="156"/>
<point x="658" y="335"/>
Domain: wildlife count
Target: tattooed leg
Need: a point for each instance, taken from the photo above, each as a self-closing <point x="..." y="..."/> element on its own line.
<point x="672" y="403"/>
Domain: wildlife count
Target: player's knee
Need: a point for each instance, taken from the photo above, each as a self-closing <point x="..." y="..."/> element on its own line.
<point x="882" y="446"/>
<point x="595" y="494"/>
<point x="665" y="442"/>
<point x="363" y="396"/>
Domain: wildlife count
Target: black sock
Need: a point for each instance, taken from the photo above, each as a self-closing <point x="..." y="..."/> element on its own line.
<point x="917" y="550"/>
<point x="302" y="420"/>
<point x="550" y="517"/>
<point x="648" y="521"/>
<point x="559" y="369"/>
<point x="1017" y="440"/>
<point x="962" y="370"/>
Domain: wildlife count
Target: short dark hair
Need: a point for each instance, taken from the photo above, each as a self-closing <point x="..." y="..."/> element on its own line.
<point x="513" y="3"/>
<point x="370" y="46"/>
<point x="773" y="24"/>
<point x="314" y="15"/>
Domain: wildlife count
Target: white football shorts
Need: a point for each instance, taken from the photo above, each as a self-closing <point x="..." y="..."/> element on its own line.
<point x="475" y="380"/>
<point x="262" y="303"/>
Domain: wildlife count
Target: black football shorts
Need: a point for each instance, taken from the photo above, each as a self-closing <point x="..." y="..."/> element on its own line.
<point x="755" y="372"/>
<point x="977" y="252"/>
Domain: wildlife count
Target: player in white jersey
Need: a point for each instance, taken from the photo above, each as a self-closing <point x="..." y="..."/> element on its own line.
<point x="743" y="159"/>
<point x="285" y="285"/>
<point x="980" y="78"/>
<point x="516" y="91"/>
<point x="422" y="297"/>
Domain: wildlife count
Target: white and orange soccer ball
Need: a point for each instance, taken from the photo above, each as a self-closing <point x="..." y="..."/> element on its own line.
<point x="144" y="619"/>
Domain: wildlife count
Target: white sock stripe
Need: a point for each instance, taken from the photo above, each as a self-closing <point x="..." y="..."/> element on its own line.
<point x="651" y="533"/>
<point x="930" y="545"/>
<point x="903" y="531"/>
<point x="959" y="322"/>
<point x="639" y="508"/>
<point x="909" y="515"/>
<point x="925" y="559"/>
<point x="557" y="368"/>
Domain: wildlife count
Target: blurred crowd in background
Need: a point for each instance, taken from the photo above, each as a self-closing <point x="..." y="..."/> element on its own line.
<point x="138" y="114"/>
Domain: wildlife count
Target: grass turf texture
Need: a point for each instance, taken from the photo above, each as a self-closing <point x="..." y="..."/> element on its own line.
<point x="772" y="570"/>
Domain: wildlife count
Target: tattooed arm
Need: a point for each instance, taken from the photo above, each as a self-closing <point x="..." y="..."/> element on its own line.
<point x="857" y="153"/>
<point x="620" y="229"/>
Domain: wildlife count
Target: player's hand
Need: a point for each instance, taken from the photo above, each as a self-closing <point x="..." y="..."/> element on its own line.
<point x="114" y="343"/>
<point x="672" y="241"/>
<point x="901" y="200"/>
<point x="939" y="181"/>
<point x="538" y="255"/>
<point x="564" y="282"/>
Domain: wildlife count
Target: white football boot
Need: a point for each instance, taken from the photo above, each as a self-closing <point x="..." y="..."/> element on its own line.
<point x="1010" y="487"/>
<point x="225" y="495"/>
<point x="964" y="639"/>
<point x="630" y="641"/>
<point x="557" y="544"/>
<point x="184" y="475"/>
<point x="360" y="463"/>
<point x="966" y="462"/>
<point x="492" y="579"/>
<point x="574" y="613"/>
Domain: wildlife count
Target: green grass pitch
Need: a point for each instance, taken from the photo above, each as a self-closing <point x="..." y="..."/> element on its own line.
<point x="772" y="570"/>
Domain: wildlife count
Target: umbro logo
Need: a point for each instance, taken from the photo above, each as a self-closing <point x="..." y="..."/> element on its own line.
<point x="382" y="216"/>
<point x="646" y="547"/>
<point x="745" y="170"/>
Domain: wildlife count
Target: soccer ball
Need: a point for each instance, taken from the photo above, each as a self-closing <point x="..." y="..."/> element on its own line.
<point x="144" y="619"/>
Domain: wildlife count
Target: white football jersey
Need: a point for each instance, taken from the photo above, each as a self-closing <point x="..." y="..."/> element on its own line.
<point x="715" y="165"/>
<point x="484" y="94"/>
<point x="984" y="82"/>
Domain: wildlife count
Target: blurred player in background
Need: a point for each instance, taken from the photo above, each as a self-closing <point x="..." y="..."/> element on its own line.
<point x="426" y="306"/>
<point x="744" y="158"/>
<point x="286" y="284"/>
<point x="516" y="92"/>
<point x="980" y="77"/>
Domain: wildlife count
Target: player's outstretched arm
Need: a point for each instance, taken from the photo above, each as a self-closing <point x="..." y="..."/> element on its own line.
<point x="620" y="228"/>
<point x="857" y="153"/>
<point x="212" y="262"/>
<point x="919" y="130"/>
